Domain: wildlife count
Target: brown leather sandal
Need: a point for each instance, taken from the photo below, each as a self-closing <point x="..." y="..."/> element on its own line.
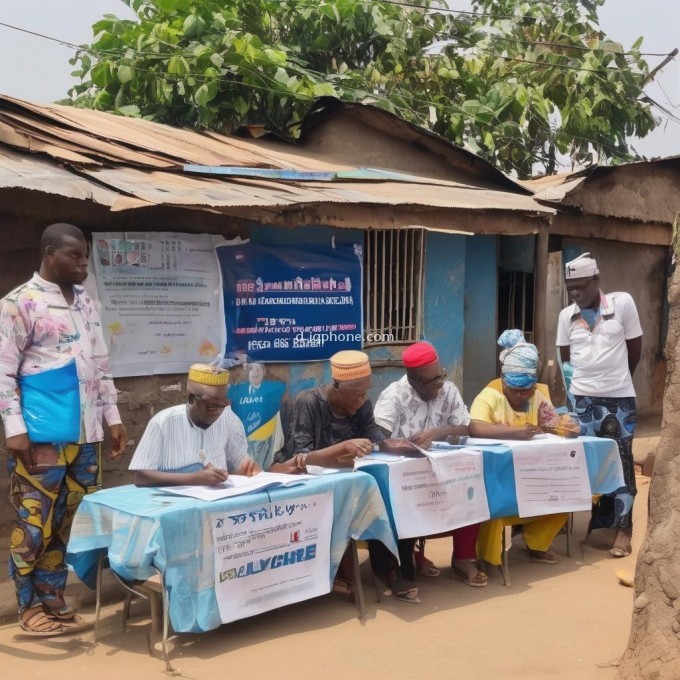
<point x="37" y="622"/>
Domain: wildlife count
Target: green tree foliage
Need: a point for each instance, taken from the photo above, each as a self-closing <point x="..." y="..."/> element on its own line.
<point x="517" y="82"/>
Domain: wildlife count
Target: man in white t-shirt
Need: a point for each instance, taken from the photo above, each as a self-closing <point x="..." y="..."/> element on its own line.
<point x="197" y="443"/>
<point x="601" y="337"/>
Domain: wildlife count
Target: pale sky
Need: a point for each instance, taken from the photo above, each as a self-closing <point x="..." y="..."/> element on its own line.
<point x="34" y="68"/>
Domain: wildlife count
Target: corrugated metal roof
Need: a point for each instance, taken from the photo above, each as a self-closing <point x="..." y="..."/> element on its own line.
<point x="18" y="171"/>
<point x="128" y="163"/>
<point x="555" y="188"/>
<point x="190" y="191"/>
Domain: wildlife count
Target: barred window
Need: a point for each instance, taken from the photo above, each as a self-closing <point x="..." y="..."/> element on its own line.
<point x="393" y="270"/>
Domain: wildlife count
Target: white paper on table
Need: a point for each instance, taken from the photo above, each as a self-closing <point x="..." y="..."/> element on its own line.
<point x="317" y="470"/>
<point x="237" y="485"/>
<point x="422" y="504"/>
<point x="376" y="457"/>
<point x="433" y="456"/>
<point x="478" y="441"/>
<point x="271" y="554"/>
<point x="439" y="461"/>
<point x="550" y="476"/>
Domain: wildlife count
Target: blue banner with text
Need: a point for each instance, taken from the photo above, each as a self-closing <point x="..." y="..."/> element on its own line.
<point x="292" y="303"/>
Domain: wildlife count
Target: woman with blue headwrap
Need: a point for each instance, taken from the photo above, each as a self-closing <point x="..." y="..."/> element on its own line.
<point x="515" y="406"/>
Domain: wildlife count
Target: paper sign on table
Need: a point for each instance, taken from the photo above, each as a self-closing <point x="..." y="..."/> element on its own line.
<point x="424" y="504"/>
<point x="550" y="476"/>
<point x="272" y="554"/>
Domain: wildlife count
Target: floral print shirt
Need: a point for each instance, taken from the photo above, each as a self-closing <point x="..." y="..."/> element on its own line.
<point x="40" y="331"/>
<point x="402" y="412"/>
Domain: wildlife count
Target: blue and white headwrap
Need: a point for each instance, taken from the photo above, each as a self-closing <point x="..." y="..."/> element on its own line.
<point x="519" y="360"/>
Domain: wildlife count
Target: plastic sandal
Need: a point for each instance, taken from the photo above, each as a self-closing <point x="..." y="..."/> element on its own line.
<point x="410" y="595"/>
<point x="622" y="547"/>
<point x="343" y="587"/>
<point x="617" y="551"/>
<point x="72" y="622"/>
<point x="428" y="569"/>
<point x="544" y="556"/>
<point x="477" y="580"/>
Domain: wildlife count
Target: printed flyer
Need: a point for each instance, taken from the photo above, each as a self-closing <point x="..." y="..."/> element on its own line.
<point x="268" y="555"/>
<point x="161" y="303"/>
<point x="423" y="503"/>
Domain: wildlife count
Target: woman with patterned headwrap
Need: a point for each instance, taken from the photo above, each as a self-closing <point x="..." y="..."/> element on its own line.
<point x="515" y="406"/>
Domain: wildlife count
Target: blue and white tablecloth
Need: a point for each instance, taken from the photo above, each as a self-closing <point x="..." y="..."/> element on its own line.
<point x="144" y="530"/>
<point x="602" y="458"/>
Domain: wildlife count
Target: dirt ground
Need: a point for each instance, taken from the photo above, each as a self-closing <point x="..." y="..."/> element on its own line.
<point x="568" y="621"/>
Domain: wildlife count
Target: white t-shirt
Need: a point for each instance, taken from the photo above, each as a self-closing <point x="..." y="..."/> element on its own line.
<point x="402" y="412"/>
<point x="600" y="356"/>
<point x="172" y="442"/>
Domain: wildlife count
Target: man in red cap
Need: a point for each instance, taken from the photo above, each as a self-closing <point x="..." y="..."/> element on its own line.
<point x="423" y="406"/>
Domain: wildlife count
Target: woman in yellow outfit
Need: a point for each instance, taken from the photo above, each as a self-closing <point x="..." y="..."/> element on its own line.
<point x="516" y="407"/>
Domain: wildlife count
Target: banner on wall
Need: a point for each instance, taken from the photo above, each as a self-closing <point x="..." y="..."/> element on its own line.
<point x="257" y="402"/>
<point x="299" y="303"/>
<point x="161" y="303"/>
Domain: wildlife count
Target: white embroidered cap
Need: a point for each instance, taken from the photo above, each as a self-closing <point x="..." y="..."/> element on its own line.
<point x="581" y="267"/>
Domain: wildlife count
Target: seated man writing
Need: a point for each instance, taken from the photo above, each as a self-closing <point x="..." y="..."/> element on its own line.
<point x="331" y="425"/>
<point x="516" y="407"/>
<point x="424" y="406"/>
<point x="198" y="443"/>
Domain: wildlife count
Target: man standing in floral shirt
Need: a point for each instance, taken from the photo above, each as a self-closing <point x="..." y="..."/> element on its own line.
<point x="47" y="326"/>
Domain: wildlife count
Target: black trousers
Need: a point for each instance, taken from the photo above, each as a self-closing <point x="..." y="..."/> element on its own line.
<point x="383" y="561"/>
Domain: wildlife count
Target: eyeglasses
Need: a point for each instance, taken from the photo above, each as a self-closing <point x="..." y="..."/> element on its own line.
<point x="208" y="404"/>
<point x="435" y="382"/>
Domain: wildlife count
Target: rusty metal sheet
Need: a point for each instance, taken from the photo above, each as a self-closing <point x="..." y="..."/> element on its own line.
<point x="144" y="136"/>
<point x="82" y="138"/>
<point x="175" y="189"/>
<point x="19" y="171"/>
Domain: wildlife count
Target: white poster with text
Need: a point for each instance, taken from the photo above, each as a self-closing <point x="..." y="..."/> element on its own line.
<point x="425" y="503"/>
<point x="551" y="476"/>
<point x="272" y="554"/>
<point x="161" y="300"/>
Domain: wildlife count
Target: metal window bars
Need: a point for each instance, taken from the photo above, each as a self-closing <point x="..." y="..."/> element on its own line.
<point x="393" y="271"/>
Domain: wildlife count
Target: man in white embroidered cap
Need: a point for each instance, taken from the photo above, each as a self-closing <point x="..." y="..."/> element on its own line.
<point x="198" y="443"/>
<point x="600" y="336"/>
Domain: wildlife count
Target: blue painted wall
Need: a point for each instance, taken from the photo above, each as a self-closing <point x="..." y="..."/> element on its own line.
<point x="443" y="302"/>
<point x="481" y="301"/>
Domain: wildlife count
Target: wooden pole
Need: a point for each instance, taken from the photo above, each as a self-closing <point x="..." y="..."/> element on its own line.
<point x="540" y="300"/>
